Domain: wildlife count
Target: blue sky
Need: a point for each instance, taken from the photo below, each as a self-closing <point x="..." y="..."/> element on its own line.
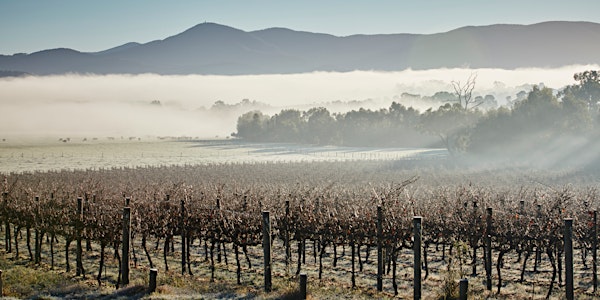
<point x="29" y="26"/>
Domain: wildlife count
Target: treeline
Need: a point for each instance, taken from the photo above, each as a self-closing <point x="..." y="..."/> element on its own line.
<point x="395" y="126"/>
<point x="543" y="118"/>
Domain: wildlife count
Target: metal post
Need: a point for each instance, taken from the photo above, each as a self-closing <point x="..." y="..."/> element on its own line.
<point x="417" y="221"/>
<point x="463" y="289"/>
<point x="152" y="285"/>
<point x="126" y="245"/>
<point x="288" y="250"/>
<point x="267" y="249"/>
<point x="38" y="242"/>
<point x="488" y="250"/>
<point x="183" y="242"/>
<point x="569" y="258"/>
<point x="303" y="281"/>
<point x="595" y="251"/>
<point x="379" y="249"/>
<point x="79" y="256"/>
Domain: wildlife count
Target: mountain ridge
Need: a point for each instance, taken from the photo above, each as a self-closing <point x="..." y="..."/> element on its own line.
<point x="211" y="48"/>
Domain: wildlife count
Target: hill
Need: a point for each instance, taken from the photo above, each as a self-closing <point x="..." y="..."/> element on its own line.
<point x="210" y="48"/>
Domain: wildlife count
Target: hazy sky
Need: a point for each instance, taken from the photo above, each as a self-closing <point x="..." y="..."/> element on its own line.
<point x="32" y="25"/>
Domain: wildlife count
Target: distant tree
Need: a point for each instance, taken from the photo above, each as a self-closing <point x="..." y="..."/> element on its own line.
<point x="252" y="126"/>
<point x="521" y="95"/>
<point x="539" y="112"/>
<point x="409" y="96"/>
<point x="444" y="96"/>
<point x="588" y="89"/>
<point x="219" y="105"/>
<point x="320" y="126"/>
<point x="449" y="123"/>
<point x="576" y="115"/>
<point x="488" y="102"/>
<point x="400" y="114"/>
<point x="493" y="129"/>
<point x="464" y="93"/>
<point x="287" y="126"/>
<point x="530" y="124"/>
<point x="589" y="83"/>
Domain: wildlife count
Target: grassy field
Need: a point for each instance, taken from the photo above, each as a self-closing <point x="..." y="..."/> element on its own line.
<point x="22" y="155"/>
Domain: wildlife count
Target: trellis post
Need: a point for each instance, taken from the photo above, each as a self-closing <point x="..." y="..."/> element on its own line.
<point x="126" y="245"/>
<point x="417" y="222"/>
<point x="267" y="249"/>
<point x="79" y="224"/>
<point x="568" y="240"/>
<point x="380" y="263"/>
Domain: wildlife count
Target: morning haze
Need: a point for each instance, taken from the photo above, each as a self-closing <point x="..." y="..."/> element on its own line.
<point x="109" y="105"/>
<point x="460" y="139"/>
<point x="211" y="81"/>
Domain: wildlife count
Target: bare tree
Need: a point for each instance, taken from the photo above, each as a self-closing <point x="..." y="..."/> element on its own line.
<point x="464" y="92"/>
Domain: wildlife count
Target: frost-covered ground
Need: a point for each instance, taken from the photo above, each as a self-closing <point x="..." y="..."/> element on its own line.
<point x="53" y="154"/>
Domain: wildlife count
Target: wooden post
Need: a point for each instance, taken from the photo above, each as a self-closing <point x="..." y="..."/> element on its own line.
<point x="595" y="251"/>
<point x="79" y="255"/>
<point x="380" y="263"/>
<point x="463" y="289"/>
<point x="126" y="245"/>
<point x="417" y="221"/>
<point x="183" y="243"/>
<point x="303" y="281"/>
<point x="152" y="285"/>
<point x="267" y="249"/>
<point x="488" y="250"/>
<point x="568" y="239"/>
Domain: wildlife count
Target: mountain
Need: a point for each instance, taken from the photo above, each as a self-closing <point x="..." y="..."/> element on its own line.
<point x="12" y="74"/>
<point x="210" y="48"/>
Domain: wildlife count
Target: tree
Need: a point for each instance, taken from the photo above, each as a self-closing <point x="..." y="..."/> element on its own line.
<point x="251" y="126"/>
<point x="449" y="123"/>
<point x="540" y="112"/>
<point x="464" y="92"/>
<point x="587" y="90"/>
<point x="492" y="129"/>
<point x="576" y="115"/>
<point x="528" y="127"/>
<point x="320" y="126"/>
<point x="287" y="126"/>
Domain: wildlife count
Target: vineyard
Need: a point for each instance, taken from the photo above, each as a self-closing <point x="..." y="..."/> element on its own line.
<point x="502" y="230"/>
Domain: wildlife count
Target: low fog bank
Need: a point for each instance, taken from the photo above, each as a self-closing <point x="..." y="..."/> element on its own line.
<point x="121" y="105"/>
<point x="96" y="120"/>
